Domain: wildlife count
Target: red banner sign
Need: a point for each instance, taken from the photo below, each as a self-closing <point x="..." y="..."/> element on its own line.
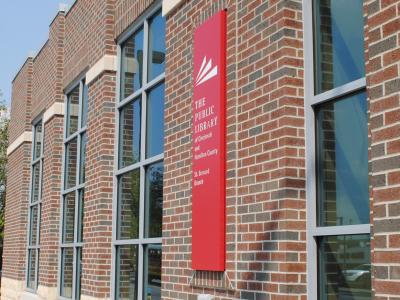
<point x="208" y="154"/>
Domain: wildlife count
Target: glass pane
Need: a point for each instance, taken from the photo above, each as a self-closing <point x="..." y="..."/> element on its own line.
<point x="156" y="60"/>
<point x="78" y="272"/>
<point x="342" y="162"/>
<point x="35" y="182"/>
<point x="32" y="269"/>
<point x="132" y="64"/>
<point x="80" y="215"/>
<point x="82" y="167"/>
<point x="85" y="101"/>
<point x="73" y="111"/>
<point x="38" y="141"/>
<point x="127" y="272"/>
<point x="154" y="200"/>
<point x="130" y="124"/>
<point x="155" y="121"/>
<point x="69" y="218"/>
<point x="152" y="272"/>
<point x="33" y="226"/>
<point x="70" y="163"/>
<point x="339" y="43"/>
<point x="67" y="262"/>
<point x="344" y="267"/>
<point x="128" y="205"/>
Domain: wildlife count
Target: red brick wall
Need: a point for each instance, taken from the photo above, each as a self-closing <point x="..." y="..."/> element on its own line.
<point x="89" y="35"/>
<point x="127" y="11"/>
<point x="99" y="187"/>
<point x="50" y="215"/>
<point x="383" y="87"/>
<point x="265" y="167"/>
<point x="16" y="213"/>
<point x="21" y="101"/>
<point x="48" y="89"/>
<point x="18" y="176"/>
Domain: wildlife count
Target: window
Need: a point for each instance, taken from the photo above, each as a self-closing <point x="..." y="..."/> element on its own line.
<point x="73" y="193"/>
<point x="35" y="206"/>
<point x="338" y="204"/>
<point x="139" y="163"/>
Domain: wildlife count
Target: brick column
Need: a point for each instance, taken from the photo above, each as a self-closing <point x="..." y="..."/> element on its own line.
<point x="96" y="276"/>
<point x="383" y="86"/>
<point x="266" y="221"/>
<point x="18" y="175"/>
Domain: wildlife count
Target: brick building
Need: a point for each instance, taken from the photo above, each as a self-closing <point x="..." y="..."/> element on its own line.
<point x="99" y="193"/>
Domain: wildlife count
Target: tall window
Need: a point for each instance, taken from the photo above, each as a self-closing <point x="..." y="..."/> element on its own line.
<point x="35" y="206"/>
<point x="139" y="163"/>
<point x="339" y="259"/>
<point x="75" y="141"/>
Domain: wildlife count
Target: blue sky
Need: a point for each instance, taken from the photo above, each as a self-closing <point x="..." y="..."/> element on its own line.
<point x="24" y="27"/>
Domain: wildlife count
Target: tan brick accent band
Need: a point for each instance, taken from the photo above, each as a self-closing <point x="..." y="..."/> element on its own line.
<point x="106" y="63"/>
<point x="169" y="5"/>
<point x="11" y="288"/>
<point x="56" y="109"/>
<point x="24" y="137"/>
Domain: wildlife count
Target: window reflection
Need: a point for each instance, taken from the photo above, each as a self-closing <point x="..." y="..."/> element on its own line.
<point x="339" y="43"/>
<point x="32" y="269"/>
<point x="128" y="205"/>
<point x="154" y="200"/>
<point x="69" y="218"/>
<point x="70" y="163"/>
<point x="127" y="272"/>
<point x="152" y="271"/>
<point x="67" y="259"/>
<point x="33" y="240"/>
<point x="156" y="62"/>
<point x="344" y="267"/>
<point x="155" y="122"/>
<point x="132" y="64"/>
<point x="38" y="141"/>
<point x="35" y="183"/>
<point x="72" y="111"/>
<point x="130" y="126"/>
<point x="342" y="162"/>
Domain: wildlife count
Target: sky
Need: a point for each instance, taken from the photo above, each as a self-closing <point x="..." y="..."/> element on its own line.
<point x="24" y="28"/>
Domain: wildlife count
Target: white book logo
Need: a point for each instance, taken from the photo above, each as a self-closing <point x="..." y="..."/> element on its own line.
<point x="206" y="72"/>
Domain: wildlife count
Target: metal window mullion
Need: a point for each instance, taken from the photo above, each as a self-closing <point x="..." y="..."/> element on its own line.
<point x="145" y="51"/>
<point x="342" y="230"/>
<point x="72" y="189"/>
<point x="153" y="159"/>
<point x="312" y="251"/>
<point x="155" y="81"/>
<point x="71" y="137"/>
<point x="130" y="98"/>
<point x="114" y="275"/>
<point x="39" y="211"/>
<point x="37" y="268"/>
<point x="142" y="195"/>
<point x="128" y="168"/>
<point x="67" y="245"/>
<point x="140" y="271"/>
<point x="139" y="164"/>
<point x="143" y="144"/>
<point x="35" y="161"/>
<point x="339" y="91"/>
<point x="73" y="272"/>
